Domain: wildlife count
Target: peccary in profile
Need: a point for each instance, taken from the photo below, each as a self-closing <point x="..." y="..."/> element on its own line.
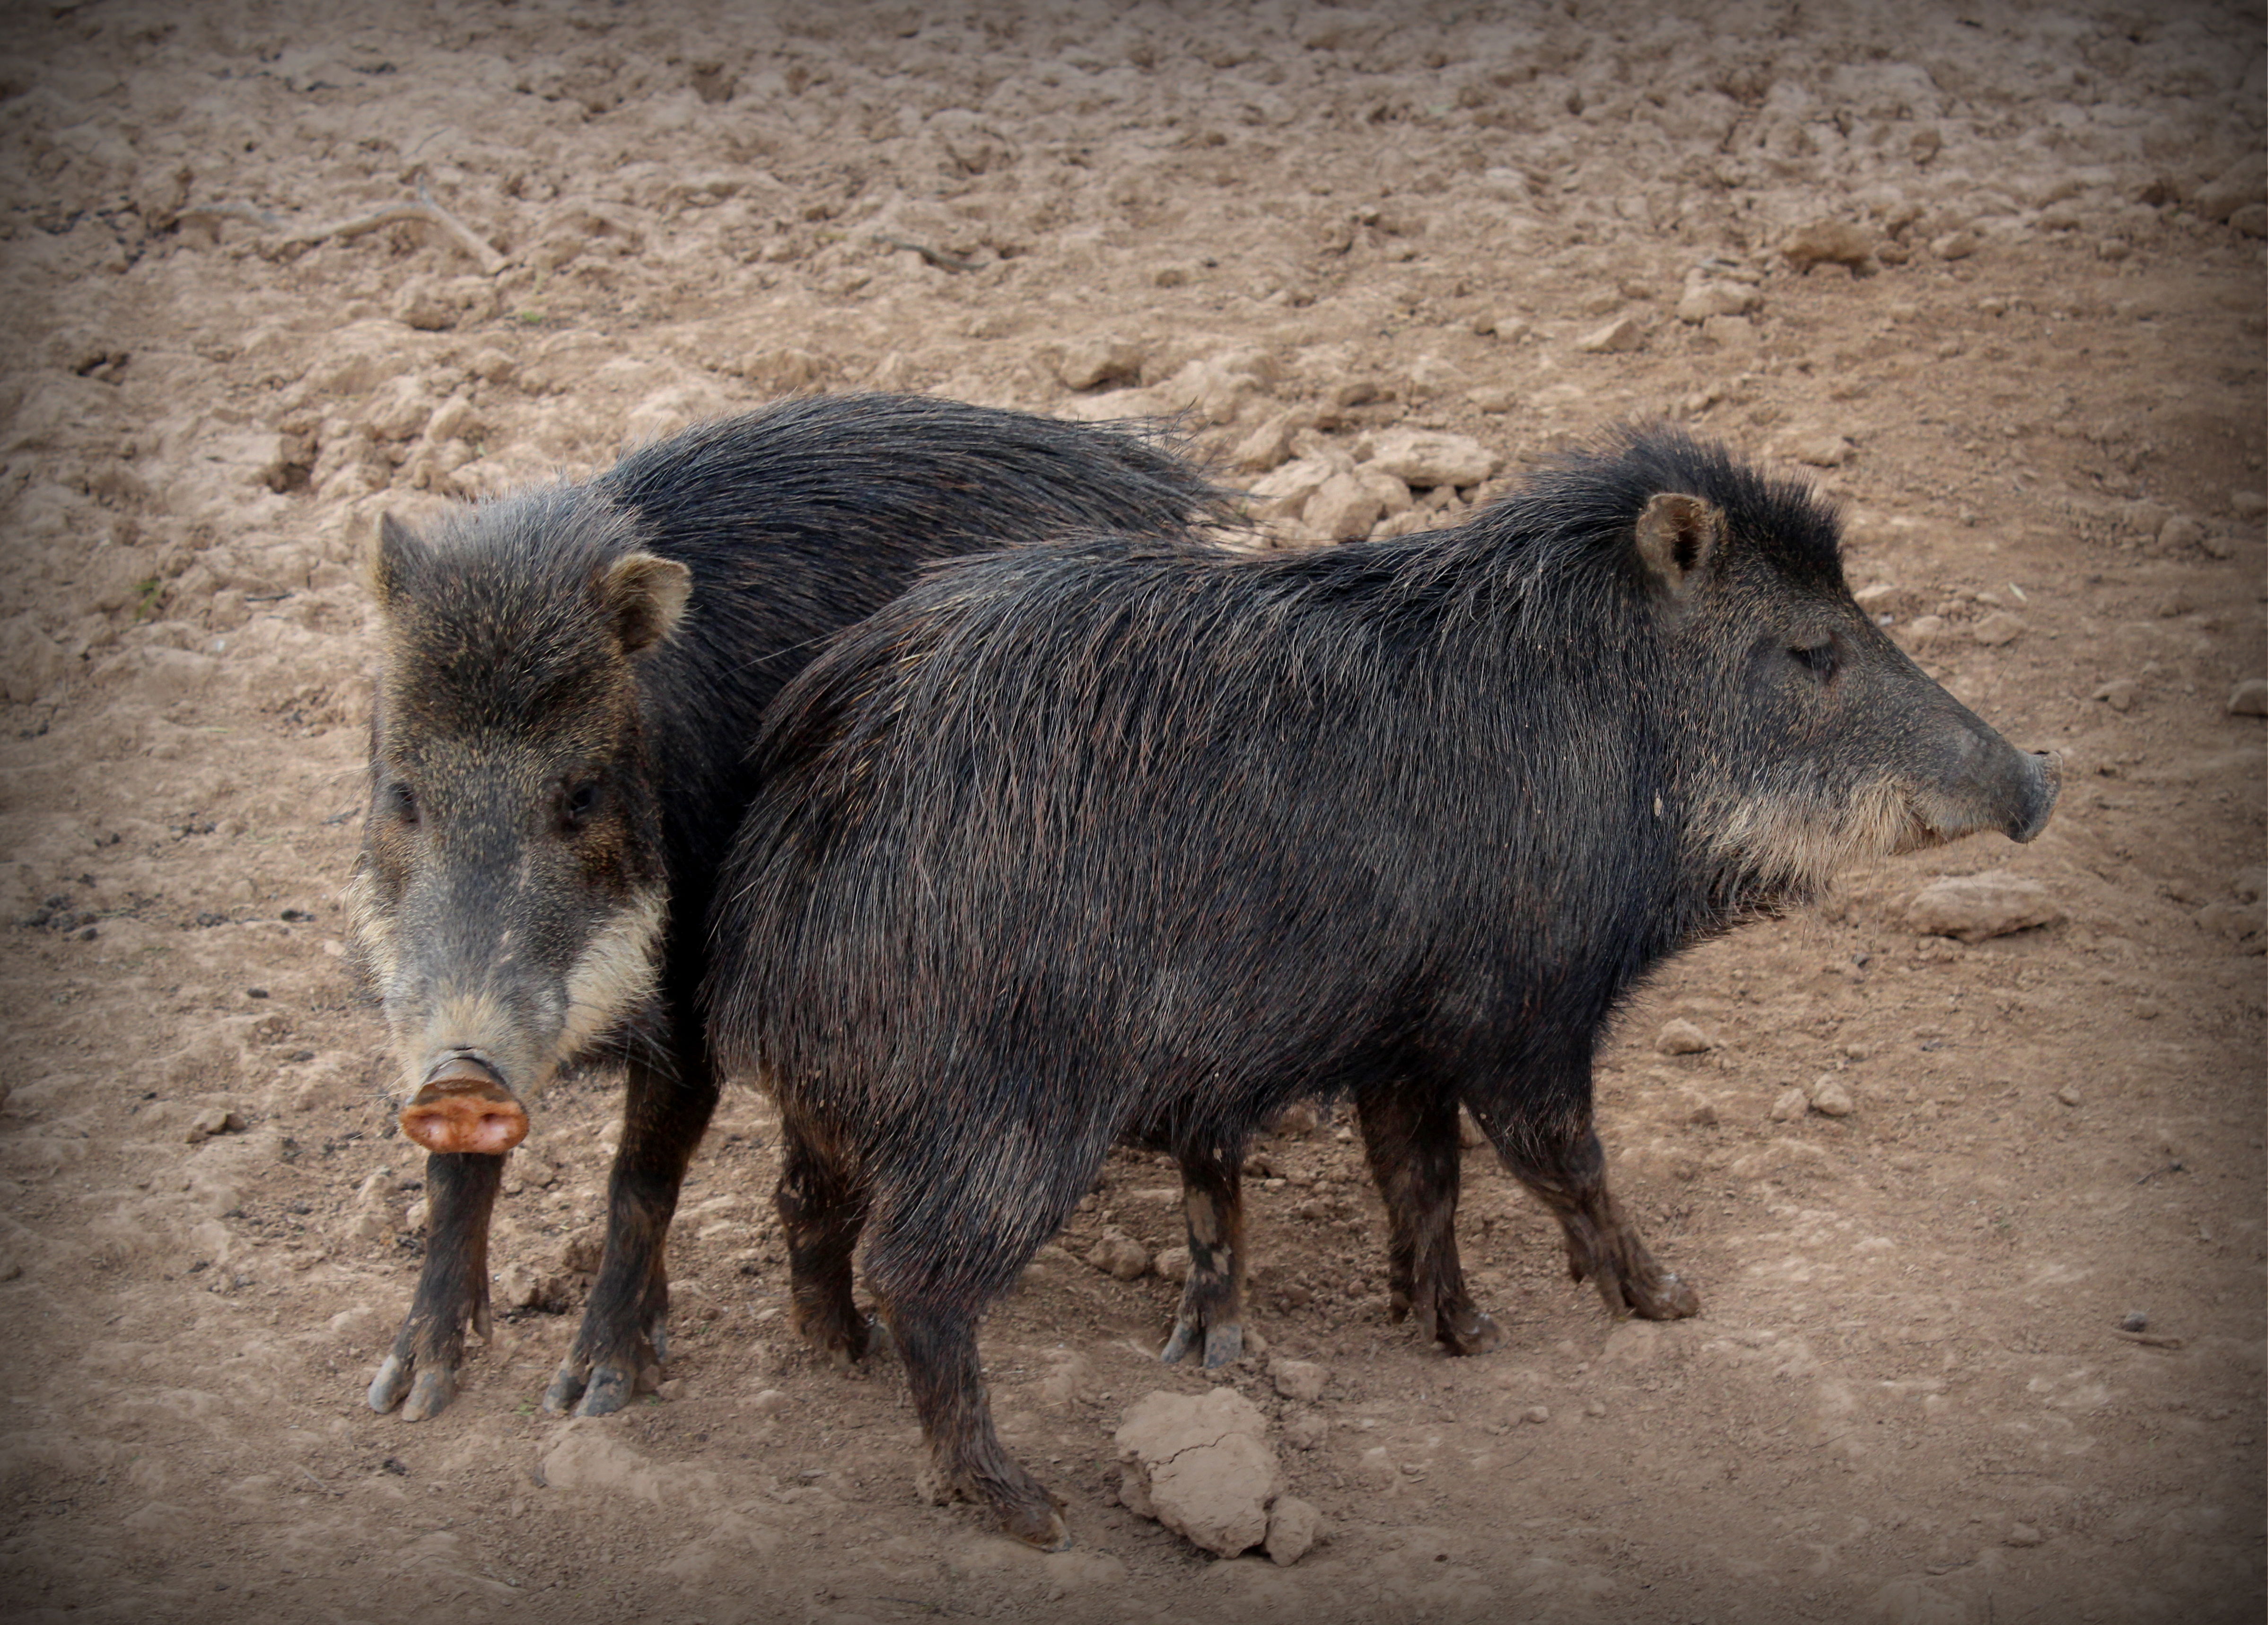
<point x="1126" y="841"/>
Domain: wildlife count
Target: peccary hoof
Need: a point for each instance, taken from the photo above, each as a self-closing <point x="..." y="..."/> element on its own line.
<point x="464" y="1107"/>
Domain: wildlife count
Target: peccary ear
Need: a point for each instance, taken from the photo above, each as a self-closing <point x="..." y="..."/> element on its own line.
<point x="1677" y="536"/>
<point x="647" y="595"/>
<point x="383" y="565"/>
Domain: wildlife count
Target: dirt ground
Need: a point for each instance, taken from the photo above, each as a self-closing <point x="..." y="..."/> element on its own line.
<point x="1987" y="1349"/>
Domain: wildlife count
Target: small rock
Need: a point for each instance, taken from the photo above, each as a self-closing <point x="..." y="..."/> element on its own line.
<point x="1922" y="628"/>
<point x="1343" y="508"/>
<point x="1098" y="359"/>
<point x="1682" y="1037"/>
<point x="1118" y="1254"/>
<point x="2248" y="698"/>
<point x="673" y="1388"/>
<point x="2134" y="1321"/>
<point x="1204" y="1466"/>
<point x="2068" y="1094"/>
<point x="1306" y="1430"/>
<point x="1701" y="1115"/>
<point x="1427" y="458"/>
<point x="1704" y="299"/>
<point x="1830" y="1099"/>
<point x="1792" y="1104"/>
<point x="1594" y="1408"/>
<point x="1729" y="333"/>
<point x="1954" y="245"/>
<point x="1173" y="1264"/>
<point x="211" y="1121"/>
<point x="1292" y="1526"/>
<point x="1268" y="445"/>
<point x="1619" y="337"/>
<point x="1973" y="907"/>
<point x="1493" y="399"/>
<point x="1538" y="1413"/>
<point x="2249" y="506"/>
<point x="1376" y="1467"/>
<point x="1839" y="242"/>
<point x="1301" y="1380"/>
<point x="1284" y="492"/>
<point x="2119" y="693"/>
<point x="1821" y="451"/>
<point x="2180" y="531"/>
<point x="1998" y="628"/>
<point x="2023" y="1534"/>
<point x="768" y="1402"/>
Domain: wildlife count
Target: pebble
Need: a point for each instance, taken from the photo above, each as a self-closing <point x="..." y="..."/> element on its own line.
<point x="1830" y="1099"/>
<point x="1425" y="459"/>
<point x="211" y="1121"/>
<point x="2180" y="531"/>
<point x="1682" y="1037"/>
<point x="1793" y="1103"/>
<point x="768" y="1402"/>
<point x="1594" y="1408"/>
<point x="1306" y="1431"/>
<point x="1839" y="242"/>
<point x="1954" y="245"/>
<point x="1537" y="1414"/>
<point x="1729" y="332"/>
<point x="1704" y="299"/>
<point x="1293" y="1524"/>
<point x="2023" y="1534"/>
<point x="1099" y="358"/>
<point x="1118" y="1254"/>
<point x="2248" y="698"/>
<point x="2249" y="505"/>
<point x="1619" y="337"/>
<point x="1821" y="451"/>
<point x="2119" y="693"/>
<point x="1200" y="1465"/>
<point x="1173" y="1264"/>
<point x="1343" y="508"/>
<point x="1998" y="628"/>
<point x="2068" y="1094"/>
<point x="2134" y="1321"/>
<point x="1973" y="907"/>
<point x="1301" y="1380"/>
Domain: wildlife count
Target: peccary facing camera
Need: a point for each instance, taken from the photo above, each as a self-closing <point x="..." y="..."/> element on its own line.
<point x="1116" y="841"/>
<point x="572" y="680"/>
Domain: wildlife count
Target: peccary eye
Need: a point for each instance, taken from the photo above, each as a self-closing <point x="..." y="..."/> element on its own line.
<point x="580" y="803"/>
<point x="1819" y="657"/>
<point x="404" y="802"/>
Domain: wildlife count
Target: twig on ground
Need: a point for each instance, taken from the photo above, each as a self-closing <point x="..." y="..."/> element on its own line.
<point x="937" y="257"/>
<point x="424" y="212"/>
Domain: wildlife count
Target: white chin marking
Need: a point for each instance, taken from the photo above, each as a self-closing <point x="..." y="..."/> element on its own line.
<point x="1794" y="842"/>
<point x="613" y="976"/>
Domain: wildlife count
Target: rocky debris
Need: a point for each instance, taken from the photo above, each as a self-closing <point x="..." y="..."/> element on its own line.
<point x="1283" y="493"/>
<point x="2022" y="1534"/>
<point x="1820" y="449"/>
<point x="1200" y="1465"/>
<point x="1999" y="627"/>
<point x="1620" y="336"/>
<point x="1119" y="1255"/>
<point x="1830" y="1099"/>
<point x="2068" y="1094"/>
<point x="1682" y="1037"/>
<point x="1306" y="1430"/>
<point x="437" y="304"/>
<point x="1301" y="1380"/>
<point x="1426" y="458"/>
<point x="1343" y="508"/>
<point x="1830" y="242"/>
<point x="1973" y="907"/>
<point x="1792" y="1103"/>
<point x="1705" y="296"/>
<point x="2119" y="693"/>
<point x="2249" y="506"/>
<point x="2248" y="698"/>
<point x="1271" y="443"/>
<point x="1954" y="245"/>
<point x="1292" y="1526"/>
<point x="2180" y="531"/>
<point x="1537" y="1414"/>
<point x="1173" y="1264"/>
<point x="1729" y="332"/>
<point x="2245" y="924"/>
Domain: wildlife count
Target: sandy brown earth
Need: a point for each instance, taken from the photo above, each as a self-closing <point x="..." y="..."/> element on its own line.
<point x="1988" y="1348"/>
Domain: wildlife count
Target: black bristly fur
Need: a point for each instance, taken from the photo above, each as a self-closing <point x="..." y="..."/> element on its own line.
<point x="793" y="521"/>
<point x="1126" y="840"/>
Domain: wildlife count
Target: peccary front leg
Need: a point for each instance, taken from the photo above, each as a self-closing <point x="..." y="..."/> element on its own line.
<point x="1548" y="1143"/>
<point x="937" y="1339"/>
<point x="1212" y="1302"/>
<point x="1410" y="1135"/>
<point x="625" y="1324"/>
<point x="452" y="1289"/>
<point x="822" y="1213"/>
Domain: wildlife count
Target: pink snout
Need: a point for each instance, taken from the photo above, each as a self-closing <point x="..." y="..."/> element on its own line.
<point x="464" y="1107"/>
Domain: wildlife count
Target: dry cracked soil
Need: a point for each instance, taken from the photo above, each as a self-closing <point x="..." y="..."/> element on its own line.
<point x="1977" y="1224"/>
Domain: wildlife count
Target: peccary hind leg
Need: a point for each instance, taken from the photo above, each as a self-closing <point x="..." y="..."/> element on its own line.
<point x="452" y="1289"/>
<point x="1411" y="1134"/>
<point x="1548" y="1142"/>
<point x="625" y="1324"/>
<point x="822" y="1213"/>
<point x="1211" y="1315"/>
<point x="938" y="1341"/>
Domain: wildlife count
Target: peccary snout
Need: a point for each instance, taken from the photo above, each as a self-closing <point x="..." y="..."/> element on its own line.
<point x="465" y="1106"/>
